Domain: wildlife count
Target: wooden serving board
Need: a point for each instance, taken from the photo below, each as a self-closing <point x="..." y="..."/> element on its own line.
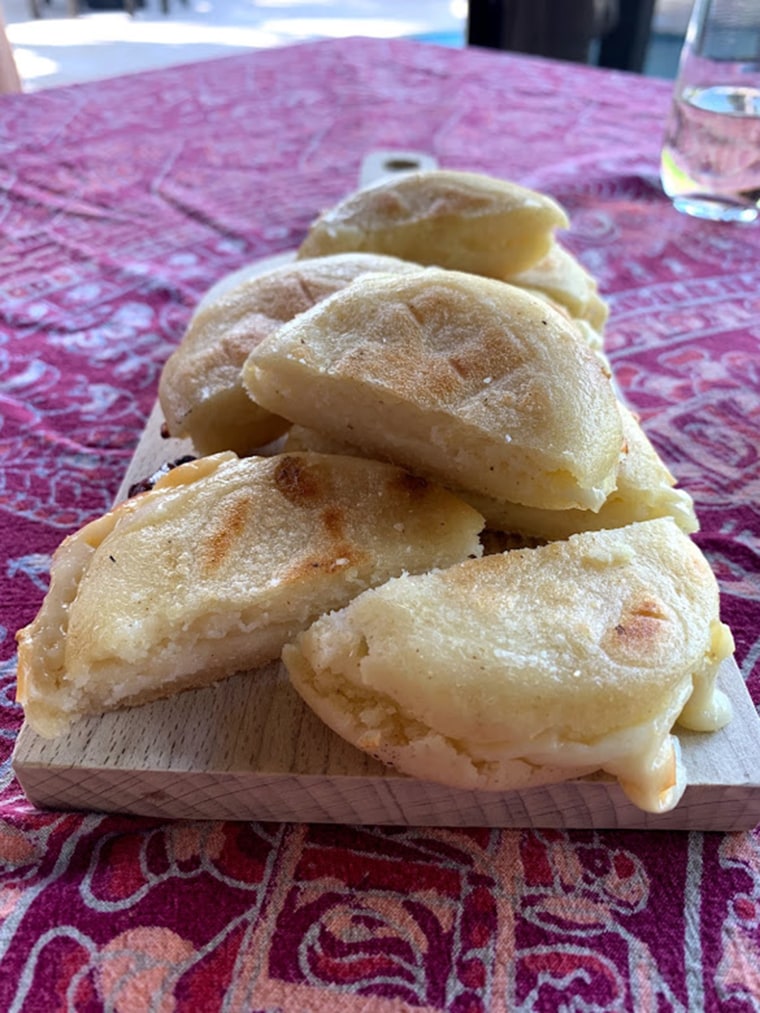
<point x="250" y="749"/>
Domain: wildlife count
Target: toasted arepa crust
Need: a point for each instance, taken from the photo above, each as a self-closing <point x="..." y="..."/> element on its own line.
<point x="459" y="220"/>
<point x="216" y="568"/>
<point x="496" y="672"/>
<point x="200" y="391"/>
<point x="645" y="490"/>
<point x="469" y="381"/>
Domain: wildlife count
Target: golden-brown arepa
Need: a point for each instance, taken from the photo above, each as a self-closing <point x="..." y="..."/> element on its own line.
<point x="214" y="569"/>
<point x="468" y="381"/>
<point x="200" y="391"/>
<point x="531" y="666"/>
<point x="464" y="221"/>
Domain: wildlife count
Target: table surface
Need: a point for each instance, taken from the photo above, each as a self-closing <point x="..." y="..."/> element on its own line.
<point x="120" y="203"/>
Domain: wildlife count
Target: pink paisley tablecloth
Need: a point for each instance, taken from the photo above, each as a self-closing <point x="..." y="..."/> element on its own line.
<point x="120" y="203"/>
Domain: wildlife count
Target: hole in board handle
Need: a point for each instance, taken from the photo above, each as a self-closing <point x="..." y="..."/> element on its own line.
<point x="380" y="165"/>
<point x="402" y="164"/>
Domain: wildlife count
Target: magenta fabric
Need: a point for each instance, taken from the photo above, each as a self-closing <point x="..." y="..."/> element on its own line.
<point x="120" y="203"/>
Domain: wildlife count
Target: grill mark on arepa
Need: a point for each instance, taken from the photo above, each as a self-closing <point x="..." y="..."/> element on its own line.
<point x="333" y="519"/>
<point x="412" y="486"/>
<point x="341" y="556"/>
<point x="388" y="204"/>
<point x="640" y="628"/>
<point x="312" y="290"/>
<point x="297" y="482"/>
<point x="230" y="520"/>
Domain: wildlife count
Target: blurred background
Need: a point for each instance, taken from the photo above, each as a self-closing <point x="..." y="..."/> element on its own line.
<point x="58" y="42"/>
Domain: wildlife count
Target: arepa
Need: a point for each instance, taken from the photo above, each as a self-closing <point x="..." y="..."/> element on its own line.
<point x="465" y="221"/>
<point x="530" y="666"/>
<point x="200" y="391"/>
<point x="471" y="382"/>
<point x="215" y="568"/>
<point x="561" y="277"/>
<point x="645" y="490"/>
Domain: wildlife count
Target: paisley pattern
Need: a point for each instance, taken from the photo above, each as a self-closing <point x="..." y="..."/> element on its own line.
<point x="120" y="203"/>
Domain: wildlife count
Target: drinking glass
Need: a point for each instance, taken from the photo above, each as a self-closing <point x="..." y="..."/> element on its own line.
<point x="710" y="165"/>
